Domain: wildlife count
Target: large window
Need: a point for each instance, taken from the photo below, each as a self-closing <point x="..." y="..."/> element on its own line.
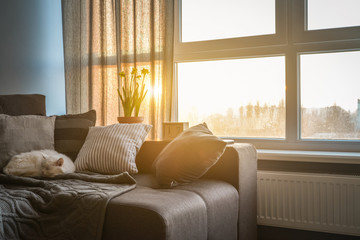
<point x="330" y="95"/>
<point x="209" y="20"/>
<point x="280" y="74"/>
<point x="233" y="97"/>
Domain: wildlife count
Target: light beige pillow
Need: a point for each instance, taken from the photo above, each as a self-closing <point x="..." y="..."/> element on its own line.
<point x="112" y="149"/>
<point x="188" y="157"/>
<point x="24" y="133"/>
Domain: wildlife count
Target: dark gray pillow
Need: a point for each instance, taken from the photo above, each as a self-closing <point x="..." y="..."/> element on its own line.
<point x="188" y="156"/>
<point x="71" y="131"/>
<point x="23" y="134"/>
<point x="23" y="104"/>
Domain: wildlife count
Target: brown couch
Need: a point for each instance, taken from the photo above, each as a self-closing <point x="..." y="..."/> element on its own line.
<point x="220" y="205"/>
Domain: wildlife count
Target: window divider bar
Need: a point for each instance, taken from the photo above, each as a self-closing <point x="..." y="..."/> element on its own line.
<point x="292" y="113"/>
<point x="292" y="133"/>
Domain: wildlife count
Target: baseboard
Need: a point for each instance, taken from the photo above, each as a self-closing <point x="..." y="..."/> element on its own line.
<point x="277" y="233"/>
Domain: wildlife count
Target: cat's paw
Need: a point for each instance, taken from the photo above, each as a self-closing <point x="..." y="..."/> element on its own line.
<point x="7" y="171"/>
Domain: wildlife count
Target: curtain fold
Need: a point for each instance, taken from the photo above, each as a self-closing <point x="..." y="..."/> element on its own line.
<point x="104" y="37"/>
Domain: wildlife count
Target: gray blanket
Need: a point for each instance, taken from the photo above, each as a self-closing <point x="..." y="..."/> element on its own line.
<point x="70" y="206"/>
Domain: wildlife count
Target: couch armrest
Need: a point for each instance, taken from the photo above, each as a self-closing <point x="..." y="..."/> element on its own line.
<point x="238" y="166"/>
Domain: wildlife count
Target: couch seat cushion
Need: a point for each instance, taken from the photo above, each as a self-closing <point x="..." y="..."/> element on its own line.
<point x="222" y="202"/>
<point x="205" y="209"/>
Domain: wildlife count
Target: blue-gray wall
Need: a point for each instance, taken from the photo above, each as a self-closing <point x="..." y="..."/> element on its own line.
<point x="31" y="50"/>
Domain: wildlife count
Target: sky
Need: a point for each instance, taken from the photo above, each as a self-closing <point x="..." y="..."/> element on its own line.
<point x="230" y="83"/>
<point x="325" y="78"/>
<point x="215" y="19"/>
<point x="335" y="14"/>
<point x="329" y="78"/>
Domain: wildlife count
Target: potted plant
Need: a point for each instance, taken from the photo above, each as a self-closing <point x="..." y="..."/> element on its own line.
<point x="132" y="95"/>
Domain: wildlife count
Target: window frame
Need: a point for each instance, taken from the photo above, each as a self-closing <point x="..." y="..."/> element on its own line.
<point x="229" y="47"/>
<point x="290" y="40"/>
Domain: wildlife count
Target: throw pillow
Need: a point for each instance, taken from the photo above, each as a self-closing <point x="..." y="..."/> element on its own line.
<point x="188" y="156"/>
<point x="71" y="131"/>
<point x="112" y="149"/>
<point x="23" y="104"/>
<point x="23" y="134"/>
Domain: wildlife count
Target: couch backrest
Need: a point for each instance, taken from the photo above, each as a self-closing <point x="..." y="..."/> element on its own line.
<point x="147" y="154"/>
<point x="23" y="104"/>
<point x="226" y="168"/>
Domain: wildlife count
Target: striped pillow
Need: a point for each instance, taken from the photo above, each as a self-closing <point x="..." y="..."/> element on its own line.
<point x="112" y="149"/>
<point x="71" y="131"/>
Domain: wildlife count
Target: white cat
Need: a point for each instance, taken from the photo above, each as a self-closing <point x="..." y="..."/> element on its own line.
<point x="46" y="163"/>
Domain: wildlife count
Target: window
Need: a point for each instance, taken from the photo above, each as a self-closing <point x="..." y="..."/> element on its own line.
<point x="292" y="82"/>
<point x="324" y="14"/>
<point x="233" y="97"/>
<point x="330" y="95"/>
<point x="204" y="19"/>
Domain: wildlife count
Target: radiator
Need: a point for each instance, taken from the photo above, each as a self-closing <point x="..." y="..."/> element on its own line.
<point x="316" y="202"/>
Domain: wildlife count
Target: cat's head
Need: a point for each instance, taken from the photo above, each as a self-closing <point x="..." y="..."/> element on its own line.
<point x="52" y="166"/>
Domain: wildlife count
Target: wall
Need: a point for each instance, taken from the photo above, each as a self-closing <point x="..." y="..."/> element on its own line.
<point x="31" y="50"/>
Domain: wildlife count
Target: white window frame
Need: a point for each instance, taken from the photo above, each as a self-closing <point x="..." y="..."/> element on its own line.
<point x="290" y="40"/>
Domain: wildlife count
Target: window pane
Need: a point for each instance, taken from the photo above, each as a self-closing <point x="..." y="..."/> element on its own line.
<point x="212" y="19"/>
<point x="330" y="93"/>
<point x="236" y="98"/>
<point x="323" y="14"/>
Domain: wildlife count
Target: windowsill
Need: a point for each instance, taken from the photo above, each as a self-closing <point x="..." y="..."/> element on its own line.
<point x="309" y="156"/>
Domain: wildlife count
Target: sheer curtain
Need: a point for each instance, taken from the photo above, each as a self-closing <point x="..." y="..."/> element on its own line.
<point x="104" y="37"/>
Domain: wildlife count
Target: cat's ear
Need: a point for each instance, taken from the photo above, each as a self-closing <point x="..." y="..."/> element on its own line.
<point x="59" y="162"/>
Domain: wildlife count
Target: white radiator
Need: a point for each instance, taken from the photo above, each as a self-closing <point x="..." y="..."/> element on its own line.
<point x="317" y="202"/>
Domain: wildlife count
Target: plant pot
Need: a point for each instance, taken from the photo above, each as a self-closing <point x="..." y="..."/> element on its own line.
<point x="130" y="119"/>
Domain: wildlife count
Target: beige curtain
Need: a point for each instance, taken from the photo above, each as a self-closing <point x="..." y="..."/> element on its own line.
<point x="104" y="37"/>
